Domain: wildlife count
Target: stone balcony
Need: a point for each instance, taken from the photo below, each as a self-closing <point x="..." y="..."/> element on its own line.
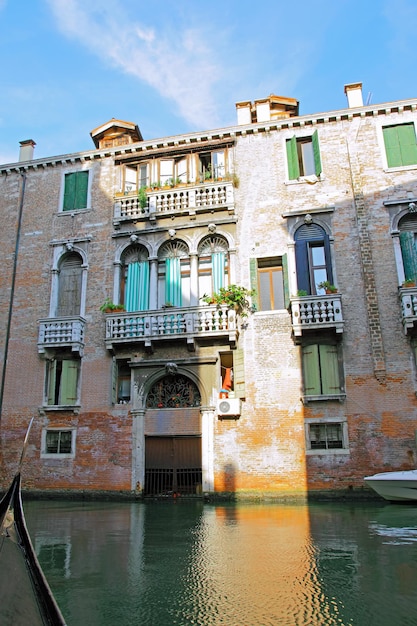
<point x="179" y="200"/>
<point x="317" y="313"/>
<point x="61" y="332"/>
<point x="173" y="324"/>
<point x="408" y="299"/>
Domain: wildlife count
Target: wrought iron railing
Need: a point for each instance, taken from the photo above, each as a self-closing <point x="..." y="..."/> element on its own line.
<point x="317" y="312"/>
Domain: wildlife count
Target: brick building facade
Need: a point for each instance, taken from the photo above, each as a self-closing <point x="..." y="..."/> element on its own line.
<point x="300" y="392"/>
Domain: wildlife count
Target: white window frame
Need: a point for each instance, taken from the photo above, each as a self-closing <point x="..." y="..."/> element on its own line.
<point x="58" y="455"/>
<point x="326" y="420"/>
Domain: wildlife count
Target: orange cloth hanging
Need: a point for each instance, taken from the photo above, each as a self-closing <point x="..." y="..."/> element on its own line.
<point x="227" y="381"/>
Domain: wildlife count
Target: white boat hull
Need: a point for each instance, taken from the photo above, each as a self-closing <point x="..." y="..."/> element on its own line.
<point x="395" y="486"/>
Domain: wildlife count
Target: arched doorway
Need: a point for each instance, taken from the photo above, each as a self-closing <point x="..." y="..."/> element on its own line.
<point x="173" y="438"/>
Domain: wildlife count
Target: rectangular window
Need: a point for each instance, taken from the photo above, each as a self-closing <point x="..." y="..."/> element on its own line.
<point x="303" y="155"/>
<point x="326" y="436"/>
<point x="121" y="382"/>
<point x="400" y="145"/>
<point x="321" y="371"/>
<point x="75" y="191"/>
<point x="232" y="373"/>
<point x="62" y="382"/>
<point x="271" y="284"/>
<point x="58" y="442"/>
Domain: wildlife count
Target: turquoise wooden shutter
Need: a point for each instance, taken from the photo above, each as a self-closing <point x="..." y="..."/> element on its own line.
<point x="173" y="294"/>
<point x="68" y="388"/>
<point x="218" y="265"/>
<point x="284" y="261"/>
<point x="143" y="287"/>
<point x="312" y="386"/>
<point x="316" y="153"/>
<point x="329" y="364"/>
<point x="408" y="146"/>
<point x="409" y="253"/>
<point x="132" y="294"/>
<point x="292" y="158"/>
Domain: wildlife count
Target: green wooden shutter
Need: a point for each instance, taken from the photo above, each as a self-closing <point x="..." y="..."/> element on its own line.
<point x="81" y="188"/>
<point x="284" y="261"/>
<point x="51" y="381"/>
<point x="407" y="141"/>
<point x="69" y="192"/>
<point x="409" y="253"/>
<point x="253" y="270"/>
<point x="239" y="373"/>
<point x="329" y="365"/>
<point x="69" y="376"/>
<point x="114" y="374"/>
<point x="312" y="386"/>
<point x="316" y="153"/>
<point x="392" y="146"/>
<point x="292" y="157"/>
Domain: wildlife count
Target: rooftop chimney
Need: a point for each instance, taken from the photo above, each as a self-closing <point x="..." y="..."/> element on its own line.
<point x="353" y="92"/>
<point x="26" y="150"/>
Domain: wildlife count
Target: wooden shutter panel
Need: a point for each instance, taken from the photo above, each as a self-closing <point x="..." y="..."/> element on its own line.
<point x="81" y="188"/>
<point x="114" y="375"/>
<point x="69" y="192"/>
<point x="301" y="260"/>
<point x="284" y="261"/>
<point x="292" y="158"/>
<point x="238" y="373"/>
<point x="392" y="146"/>
<point x="70" y="280"/>
<point x="69" y="376"/>
<point x="329" y="364"/>
<point x="407" y="142"/>
<point x="311" y="370"/>
<point x="409" y="253"/>
<point x="316" y="153"/>
<point x="253" y="269"/>
<point x="51" y="381"/>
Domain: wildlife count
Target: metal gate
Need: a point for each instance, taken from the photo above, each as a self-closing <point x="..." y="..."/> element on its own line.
<point x="172" y="466"/>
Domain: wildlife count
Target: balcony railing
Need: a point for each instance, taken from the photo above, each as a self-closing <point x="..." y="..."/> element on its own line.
<point x="188" y="323"/>
<point x="187" y="199"/>
<point x="317" y="313"/>
<point x="61" y="332"/>
<point x="408" y="298"/>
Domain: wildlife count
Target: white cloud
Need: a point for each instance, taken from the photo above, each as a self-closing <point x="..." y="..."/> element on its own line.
<point x="176" y="63"/>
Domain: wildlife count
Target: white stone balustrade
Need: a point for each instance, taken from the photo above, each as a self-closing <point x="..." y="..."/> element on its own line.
<point x="317" y="312"/>
<point x="408" y="298"/>
<point x="61" y="332"/>
<point x="173" y="323"/>
<point x="179" y="199"/>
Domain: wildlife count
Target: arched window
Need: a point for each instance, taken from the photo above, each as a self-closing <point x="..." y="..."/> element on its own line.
<point x="408" y="241"/>
<point x="173" y="392"/>
<point x="312" y="257"/>
<point x="69" y="285"/>
<point x="134" y="288"/>
<point x="213" y="264"/>
<point x="174" y="274"/>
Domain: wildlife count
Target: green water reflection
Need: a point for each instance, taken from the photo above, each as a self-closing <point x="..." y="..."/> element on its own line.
<point x="186" y="563"/>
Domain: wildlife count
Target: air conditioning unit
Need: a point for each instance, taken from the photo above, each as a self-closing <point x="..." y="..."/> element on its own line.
<point x="228" y="407"/>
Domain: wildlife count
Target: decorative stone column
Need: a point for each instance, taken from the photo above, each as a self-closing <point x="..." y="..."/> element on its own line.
<point x="138" y="450"/>
<point x="207" y="449"/>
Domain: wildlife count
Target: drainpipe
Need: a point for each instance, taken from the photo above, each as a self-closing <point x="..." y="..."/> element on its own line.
<point x="9" y="317"/>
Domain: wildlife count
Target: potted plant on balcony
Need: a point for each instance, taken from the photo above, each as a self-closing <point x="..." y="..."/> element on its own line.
<point x="234" y="296"/>
<point x="327" y="286"/>
<point x="110" y="307"/>
<point x="409" y="282"/>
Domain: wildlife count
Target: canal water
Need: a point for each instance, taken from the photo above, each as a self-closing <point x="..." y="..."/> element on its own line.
<point x="193" y="563"/>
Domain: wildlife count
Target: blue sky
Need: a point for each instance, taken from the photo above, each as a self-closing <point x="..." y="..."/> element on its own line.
<point x="173" y="67"/>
